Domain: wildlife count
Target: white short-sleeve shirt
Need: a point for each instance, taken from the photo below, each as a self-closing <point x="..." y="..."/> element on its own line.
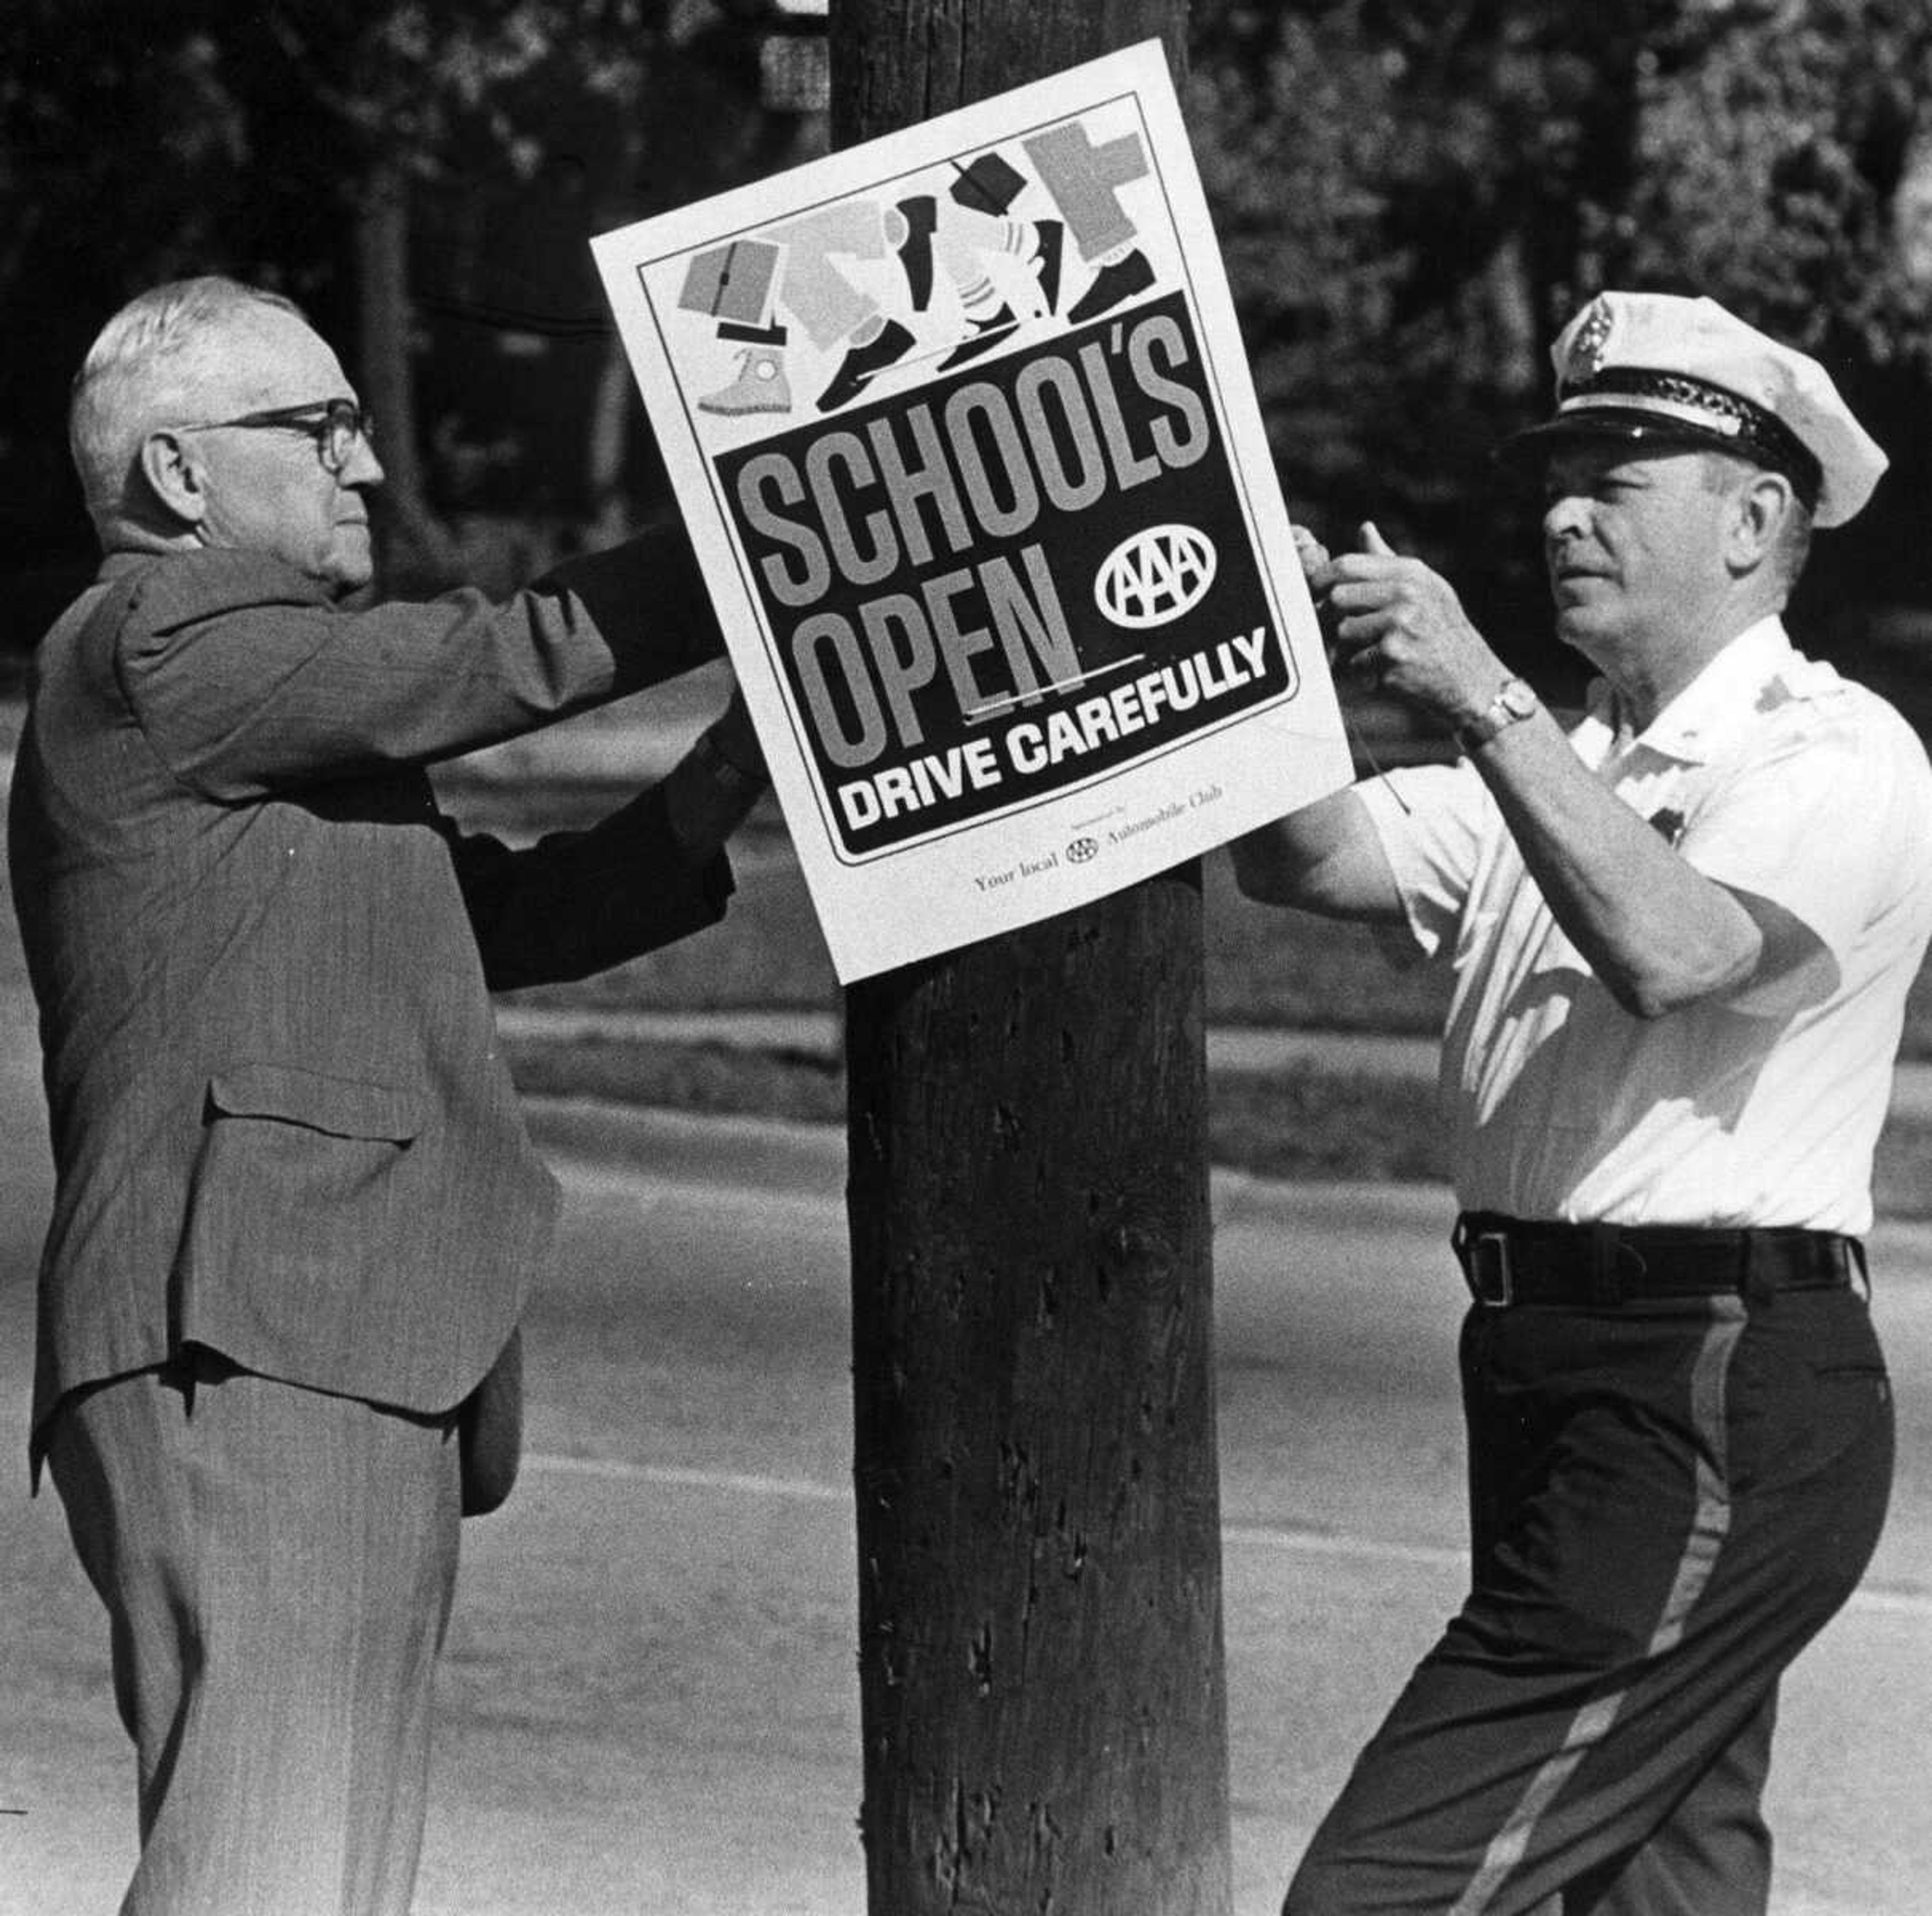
<point x="1772" y="776"/>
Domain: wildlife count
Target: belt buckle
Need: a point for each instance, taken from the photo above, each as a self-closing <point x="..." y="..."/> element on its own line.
<point x="1485" y="1257"/>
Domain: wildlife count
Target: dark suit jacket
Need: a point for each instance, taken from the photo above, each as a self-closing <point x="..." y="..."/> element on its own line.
<point x="281" y="1126"/>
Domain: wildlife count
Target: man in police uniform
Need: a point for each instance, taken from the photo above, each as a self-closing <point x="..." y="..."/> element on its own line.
<point x="1682" y="934"/>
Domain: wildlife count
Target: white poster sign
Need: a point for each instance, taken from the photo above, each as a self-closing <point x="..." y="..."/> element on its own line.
<point x="961" y="425"/>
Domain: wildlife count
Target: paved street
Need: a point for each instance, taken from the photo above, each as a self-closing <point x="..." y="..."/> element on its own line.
<point x="650" y="1699"/>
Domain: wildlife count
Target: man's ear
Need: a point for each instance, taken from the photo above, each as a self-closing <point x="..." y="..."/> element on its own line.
<point x="174" y="475"/>
<point x="1764" y="505"/>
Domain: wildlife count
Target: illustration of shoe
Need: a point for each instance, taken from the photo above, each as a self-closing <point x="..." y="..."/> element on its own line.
<point x="986" y="334"/>
<point x="1112" y="284"/>
<point x="1051" y="235"/>
<point x="761" y="386"/>
<point x="921" y="215"/>
<point x="862" y="363"/>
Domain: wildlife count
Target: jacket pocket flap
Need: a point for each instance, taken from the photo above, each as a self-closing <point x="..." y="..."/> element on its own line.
<point x="342" y="1107"/>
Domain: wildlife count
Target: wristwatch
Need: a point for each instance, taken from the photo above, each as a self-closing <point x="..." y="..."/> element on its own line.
<point x="1515" y="700"/>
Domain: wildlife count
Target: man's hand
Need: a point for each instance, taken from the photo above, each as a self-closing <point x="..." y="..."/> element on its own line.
<point x="710" y="790"/>
<point x="1394" y="623"/>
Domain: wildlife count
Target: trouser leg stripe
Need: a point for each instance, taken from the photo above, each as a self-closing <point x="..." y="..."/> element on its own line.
<point x="1709" y="1523"/>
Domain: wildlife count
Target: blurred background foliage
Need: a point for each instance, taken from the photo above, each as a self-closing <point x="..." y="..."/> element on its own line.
<point x="1412" y="196"/>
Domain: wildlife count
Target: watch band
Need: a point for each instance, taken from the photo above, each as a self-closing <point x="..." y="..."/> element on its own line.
<point x="729" y="776"/>
<point x="1515" y="700"/>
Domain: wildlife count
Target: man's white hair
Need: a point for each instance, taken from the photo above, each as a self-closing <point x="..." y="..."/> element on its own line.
<point x="153" y="364"/>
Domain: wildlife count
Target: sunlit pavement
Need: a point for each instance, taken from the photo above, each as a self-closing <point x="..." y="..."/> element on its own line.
<point x="650" y="1697"/>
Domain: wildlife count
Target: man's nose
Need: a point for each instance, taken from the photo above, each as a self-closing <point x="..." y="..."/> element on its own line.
<point x="362" y="468"/>
<point x="1563" y="516"/>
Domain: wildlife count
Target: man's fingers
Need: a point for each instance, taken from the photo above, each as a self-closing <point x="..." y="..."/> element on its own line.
<point x="1362" y="631"/>
<point x="1384" y="568"/>
<point x="1372" y="540"/>
<point x="1317" y="567"/>
<point x="1356" y="594"/>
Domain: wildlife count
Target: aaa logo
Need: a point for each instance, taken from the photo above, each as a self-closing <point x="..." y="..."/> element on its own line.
<point x="1160" y="573"/>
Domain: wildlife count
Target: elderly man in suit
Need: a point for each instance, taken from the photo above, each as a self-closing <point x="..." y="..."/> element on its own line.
<point x="296" y="1213"/>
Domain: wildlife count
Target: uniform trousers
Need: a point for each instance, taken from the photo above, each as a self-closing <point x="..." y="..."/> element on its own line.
<point x="1668" y="1498"/>
<point x="277" y="1566"/>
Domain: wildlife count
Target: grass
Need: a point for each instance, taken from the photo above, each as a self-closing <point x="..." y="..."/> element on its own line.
<point x="1302" y="1123"/>
<point x="714" y="1080"/>
<point x="1262" y="967"/>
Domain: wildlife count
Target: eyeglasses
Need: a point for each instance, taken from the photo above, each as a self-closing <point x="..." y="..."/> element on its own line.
<point x="336" y="425"/>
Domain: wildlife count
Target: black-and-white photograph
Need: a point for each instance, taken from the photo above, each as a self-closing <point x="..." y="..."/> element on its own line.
<point x="966" y="958"/>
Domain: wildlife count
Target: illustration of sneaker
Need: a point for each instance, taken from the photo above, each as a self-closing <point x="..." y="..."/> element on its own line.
<point x="1046" y="262"/>
<point x="921" y="215"/>
<point x="1112" y="284"/>
<point x="986" y="334"/>
<point x="761" y="386"/>
<point x="862" y="363"/>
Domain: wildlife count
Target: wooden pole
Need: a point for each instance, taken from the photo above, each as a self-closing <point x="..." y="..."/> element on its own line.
<point x="1042" y="1695"/>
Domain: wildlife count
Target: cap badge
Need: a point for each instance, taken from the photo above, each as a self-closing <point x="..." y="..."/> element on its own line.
<point x="1586" y="357"/>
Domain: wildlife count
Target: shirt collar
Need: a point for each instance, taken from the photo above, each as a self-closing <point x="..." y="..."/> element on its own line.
<point x="1729" y="689"/>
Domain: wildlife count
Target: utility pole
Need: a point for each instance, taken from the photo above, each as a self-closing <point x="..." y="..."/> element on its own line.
<point x="1043" y="1696"/>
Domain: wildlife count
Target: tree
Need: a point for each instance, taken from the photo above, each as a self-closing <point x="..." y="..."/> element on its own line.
<point x="1042" y="1692"/>
<point x="1415" y="198"/>
<point x="1777" y="165"/>
<point x="1412" y="197"/>
<point x="101" y="106"/>
<point x="291" y="145"/>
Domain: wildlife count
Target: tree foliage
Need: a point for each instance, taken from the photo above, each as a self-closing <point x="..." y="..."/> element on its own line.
<point x="139" y="143"/>
<point x="1412" y="196"/>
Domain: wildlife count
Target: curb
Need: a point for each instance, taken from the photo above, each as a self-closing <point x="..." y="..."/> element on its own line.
<point x="1248" y="1050"/>
<point x="587" y="1142"/>
<point x="710" y="1159"/>
<point x="587" y="1138"/>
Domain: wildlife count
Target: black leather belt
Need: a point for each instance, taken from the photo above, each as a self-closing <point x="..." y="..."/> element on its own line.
<point x="1511" y="1260"/>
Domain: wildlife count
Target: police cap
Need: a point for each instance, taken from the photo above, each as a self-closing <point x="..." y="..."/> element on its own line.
<point x="1658" y="367"/>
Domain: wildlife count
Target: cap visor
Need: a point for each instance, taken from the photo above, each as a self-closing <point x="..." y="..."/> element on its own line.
<point x="1525" y="451"/>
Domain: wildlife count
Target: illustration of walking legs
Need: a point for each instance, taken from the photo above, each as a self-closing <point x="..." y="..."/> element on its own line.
<point x="998" y="271"/>
<point x="970" y="247"/>
<point x="1084" y="181"/>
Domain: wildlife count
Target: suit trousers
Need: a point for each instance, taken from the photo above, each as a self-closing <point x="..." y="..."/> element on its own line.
<point x="1668" y="1500"/>
<point x="277" y="1566"/>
